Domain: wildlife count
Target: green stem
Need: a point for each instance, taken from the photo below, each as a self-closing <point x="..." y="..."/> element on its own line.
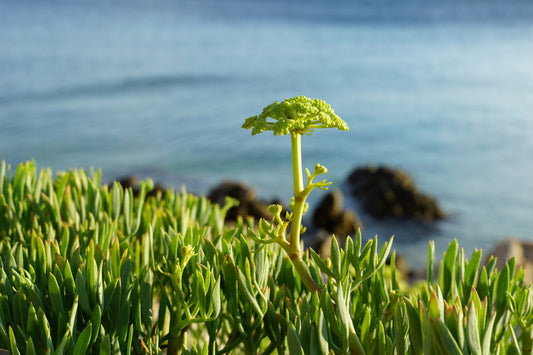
<point x="297" y="178"/>
<point x="177" y="333"/>
<point x="303" y="271"/>
<point x="527" y="342"/>
<point x="293" y="249"/>
<point x="299" y="200"/>
<point x="175" y="342"/>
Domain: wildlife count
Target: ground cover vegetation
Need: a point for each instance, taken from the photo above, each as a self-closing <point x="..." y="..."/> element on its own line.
<point x="89" y="268"/>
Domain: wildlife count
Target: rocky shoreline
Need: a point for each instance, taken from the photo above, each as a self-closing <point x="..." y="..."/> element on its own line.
<point x="382" y="192"/>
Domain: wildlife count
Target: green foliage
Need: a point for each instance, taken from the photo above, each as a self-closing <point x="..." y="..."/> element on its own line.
<point x="471" y="309"/>
<point x="87" y="268"/>
<point x="83" y="266"/>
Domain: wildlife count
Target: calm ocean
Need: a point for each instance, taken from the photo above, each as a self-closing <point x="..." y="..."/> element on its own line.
<point x="442" y="89"/>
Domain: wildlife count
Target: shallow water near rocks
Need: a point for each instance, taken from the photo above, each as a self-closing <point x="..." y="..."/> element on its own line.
<point x="441" y="89"/>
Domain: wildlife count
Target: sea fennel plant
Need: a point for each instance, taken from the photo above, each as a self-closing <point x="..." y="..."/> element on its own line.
<point x="295" y="116"/>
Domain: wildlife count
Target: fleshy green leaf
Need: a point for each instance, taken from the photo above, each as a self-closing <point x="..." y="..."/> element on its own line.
<point x="443" y="339"/>
<point x="246" y="292"/>
<point x="415" y="329"/>
<point x="12" y="342"/>
<point x="295" y="347"/>
<point x="472" y="331"/>
<point x="82" y="343"/>
<point x="55" y="295"/>
<point x="336" y="257"/>
<point x="105" y="345"/>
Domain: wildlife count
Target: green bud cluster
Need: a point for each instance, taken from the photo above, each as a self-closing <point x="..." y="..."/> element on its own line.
<point x="298" y="114"/>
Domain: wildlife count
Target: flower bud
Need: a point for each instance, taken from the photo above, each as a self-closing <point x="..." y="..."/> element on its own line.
<point x="320" y="169"/>
<point x="275" y="209"/>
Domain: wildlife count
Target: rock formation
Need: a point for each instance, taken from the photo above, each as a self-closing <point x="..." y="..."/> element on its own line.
<point x="387" y="192"/>
<point x="249" y="205"/>
<point x="331" y="216"/>
<point x="509" y="248"/>
<point x="132" y="181"/>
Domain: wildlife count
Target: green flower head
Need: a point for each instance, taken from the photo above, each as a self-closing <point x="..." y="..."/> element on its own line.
<point x="298" y="114"/>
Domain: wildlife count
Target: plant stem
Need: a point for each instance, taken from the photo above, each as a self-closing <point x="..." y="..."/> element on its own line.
<point x="303" y="271"/>
<point x="527" y="342"/>
<point x="175" y="341"/>
<point x="299" y="200"/>
<point x="293" y="249"/>
<point x="297" y="178"/>
<point x="176" y="333"/>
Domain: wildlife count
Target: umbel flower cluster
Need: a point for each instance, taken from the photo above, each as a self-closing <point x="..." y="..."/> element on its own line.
<point x="298" y="114"/>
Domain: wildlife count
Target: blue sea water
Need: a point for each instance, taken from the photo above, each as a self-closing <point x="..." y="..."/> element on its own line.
<point x="441" y="89"/>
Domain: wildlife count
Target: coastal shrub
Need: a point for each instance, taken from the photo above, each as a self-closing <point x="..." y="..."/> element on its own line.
<point x="87" y="268"/>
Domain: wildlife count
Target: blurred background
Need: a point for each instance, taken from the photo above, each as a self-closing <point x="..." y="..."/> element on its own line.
<point x="160" y="88"/>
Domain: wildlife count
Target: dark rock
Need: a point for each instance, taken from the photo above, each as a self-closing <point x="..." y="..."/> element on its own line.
<point x="129" y="181"/>
<point x="158" y="189"/>
<point x="322" y="243"/>
<point x="401" y="264"/>
<point x="387" y="192"/>
<point x="331" y="216"/>
<point x="249" y="205"/>
<point x="132" y="181"/>
<point x="509" y="248"/>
